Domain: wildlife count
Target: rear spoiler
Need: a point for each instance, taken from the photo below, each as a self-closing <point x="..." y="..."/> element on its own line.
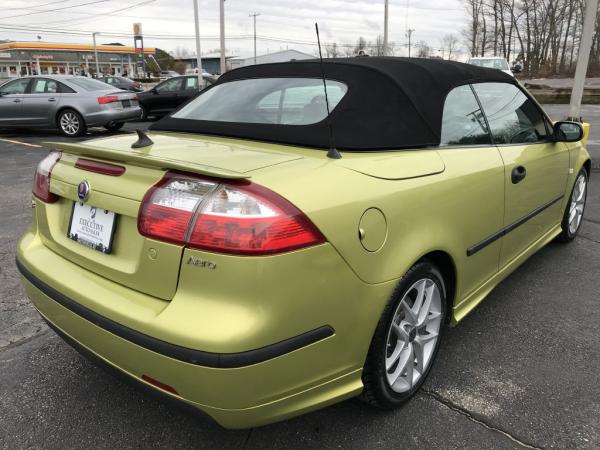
<point x="140" y="157"/>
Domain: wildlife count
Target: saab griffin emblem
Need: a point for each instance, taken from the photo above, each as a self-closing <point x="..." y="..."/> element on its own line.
<point x="83" y="190"/>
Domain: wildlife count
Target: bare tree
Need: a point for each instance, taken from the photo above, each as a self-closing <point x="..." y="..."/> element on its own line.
<point x="542" y="34"/>
<point x="449" y="45"/>
<point x="181" y="52"/>
<point x="423" y="49"/>
<point x="332" y="50"/>
<point x="361" y="46"/>
<point x="378" y="48"/>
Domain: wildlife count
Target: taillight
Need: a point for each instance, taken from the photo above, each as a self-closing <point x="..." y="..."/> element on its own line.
<point x="169" y="206"/>
<point x="41" y="182"/>
<point x="108" y="99"/>
<point x="231" y="217"/>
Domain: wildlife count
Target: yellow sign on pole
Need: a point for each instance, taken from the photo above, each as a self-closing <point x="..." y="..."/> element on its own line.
<point x="137" y="29"/>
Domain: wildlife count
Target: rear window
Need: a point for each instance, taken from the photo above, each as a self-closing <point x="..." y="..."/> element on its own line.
<point x="90" y="85"/>
<point x="280" y="101"/>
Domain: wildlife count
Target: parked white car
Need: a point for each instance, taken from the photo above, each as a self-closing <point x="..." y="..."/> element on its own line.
<point x="491" y="62"/>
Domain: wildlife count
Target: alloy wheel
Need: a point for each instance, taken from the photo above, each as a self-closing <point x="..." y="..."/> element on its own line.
<point x="69" y="123"/>
<point x="413" y="335"/>
<point x="577" y="204"/>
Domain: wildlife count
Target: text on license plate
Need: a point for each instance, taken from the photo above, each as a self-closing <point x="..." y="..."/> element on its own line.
<point x="93" y="227"/>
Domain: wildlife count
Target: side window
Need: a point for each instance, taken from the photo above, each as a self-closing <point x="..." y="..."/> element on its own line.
<point x="64" y="89"/>
<point x="174" y="84"/>
<point x="513" y="117"/>
<point x="15" y="87"/>
<point x="44" y="86"/>
<point x="463" y="122"/>
<point x="191" y="83"/>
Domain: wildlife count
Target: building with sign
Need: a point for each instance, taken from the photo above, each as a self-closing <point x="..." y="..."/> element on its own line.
<point x="34" y="58"/>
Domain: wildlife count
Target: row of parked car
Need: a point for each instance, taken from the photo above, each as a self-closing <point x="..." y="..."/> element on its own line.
<point x="74" y="103"/>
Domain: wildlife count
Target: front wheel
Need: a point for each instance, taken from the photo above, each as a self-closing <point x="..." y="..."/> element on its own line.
<point x="407" y="338"/>
<point x="70" y="123"/>
<point x="574" y="211"/>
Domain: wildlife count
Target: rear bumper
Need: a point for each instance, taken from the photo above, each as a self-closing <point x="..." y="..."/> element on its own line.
<point x="108" y="115"/>
<point x="174" y="351"/>
<point x="237" y="389"/>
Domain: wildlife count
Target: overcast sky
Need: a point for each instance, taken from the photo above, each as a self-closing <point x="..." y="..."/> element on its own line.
<point x="169" y="24"/>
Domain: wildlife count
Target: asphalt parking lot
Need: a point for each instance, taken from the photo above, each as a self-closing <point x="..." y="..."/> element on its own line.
<point x="520" y="372"/>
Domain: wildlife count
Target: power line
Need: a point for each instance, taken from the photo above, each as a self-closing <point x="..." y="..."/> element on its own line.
<point x="95" y="15"/>
<point x="32" y="8"/>
<point x="56" y="9"/>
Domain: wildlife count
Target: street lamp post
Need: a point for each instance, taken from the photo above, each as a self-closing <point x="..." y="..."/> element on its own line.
<point x="385" y="28"/>
<point x="254" y="16"/>
<point x="198" y="57"/>
<point x="96" y="54"/>
<point x="222" y="35"/>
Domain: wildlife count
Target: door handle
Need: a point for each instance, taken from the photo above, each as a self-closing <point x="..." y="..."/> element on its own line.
<point x="518" y="174"/>
<point x="17" y="100"/>
<point x="51" y="99"/>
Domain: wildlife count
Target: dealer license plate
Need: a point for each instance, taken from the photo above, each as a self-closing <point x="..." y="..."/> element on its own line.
<point x="92" y="227"/>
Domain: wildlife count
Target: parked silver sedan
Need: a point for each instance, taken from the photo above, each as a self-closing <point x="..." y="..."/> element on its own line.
<point x="69" y="103"/>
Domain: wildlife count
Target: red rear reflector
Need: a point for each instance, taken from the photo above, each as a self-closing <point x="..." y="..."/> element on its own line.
<point x="41" y="182"/>
<point x="108" y="99"/>
<point x="99" y="167"/>
<point x="158" y="384"/>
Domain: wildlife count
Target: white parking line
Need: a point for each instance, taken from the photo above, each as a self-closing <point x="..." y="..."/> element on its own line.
<point x="21" y="143"/>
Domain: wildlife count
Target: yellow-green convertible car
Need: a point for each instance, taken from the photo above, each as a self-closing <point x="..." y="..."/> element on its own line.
<point x="300" y="233"/>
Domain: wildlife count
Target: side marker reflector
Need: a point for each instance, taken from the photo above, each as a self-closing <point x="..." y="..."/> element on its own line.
<point x="158" y="384"/>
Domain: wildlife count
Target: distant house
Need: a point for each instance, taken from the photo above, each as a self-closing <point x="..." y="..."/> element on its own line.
<point x="281" y="56"/>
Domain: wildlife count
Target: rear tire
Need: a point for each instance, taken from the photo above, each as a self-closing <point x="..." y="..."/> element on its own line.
<point x="573" y="216"/>
<point x="71" y="123"/>
<point x="114" y="126"/>
<point x="407" y="338"/>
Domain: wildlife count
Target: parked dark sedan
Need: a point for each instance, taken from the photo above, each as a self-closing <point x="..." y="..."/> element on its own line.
<point x="122" y="83"/>
<point x="170" y="94"/>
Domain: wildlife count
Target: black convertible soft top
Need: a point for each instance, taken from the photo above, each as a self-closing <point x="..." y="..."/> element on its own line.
<point x="391" y="103"/>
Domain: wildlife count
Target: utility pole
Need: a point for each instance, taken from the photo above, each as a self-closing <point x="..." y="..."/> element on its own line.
<point x="222" y="36"/>
<point x="96" y="54"/>
<point x="254" y="15"/>
<point x="198" y="57"/>
<point x="409" y="32"/>
<point x="583" y="58"/>
<point x="385" y="28"/>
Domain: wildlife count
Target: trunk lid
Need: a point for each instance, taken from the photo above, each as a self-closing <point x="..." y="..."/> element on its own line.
<point x="137" y="262"/>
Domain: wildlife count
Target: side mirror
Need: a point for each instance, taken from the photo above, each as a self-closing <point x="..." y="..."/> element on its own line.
<point x="568" y="131"/>
<point x="153" y="90"/>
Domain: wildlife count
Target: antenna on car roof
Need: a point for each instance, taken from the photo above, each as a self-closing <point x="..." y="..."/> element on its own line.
<point x="143" y="140"/>
<point x="332" y="153"/>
